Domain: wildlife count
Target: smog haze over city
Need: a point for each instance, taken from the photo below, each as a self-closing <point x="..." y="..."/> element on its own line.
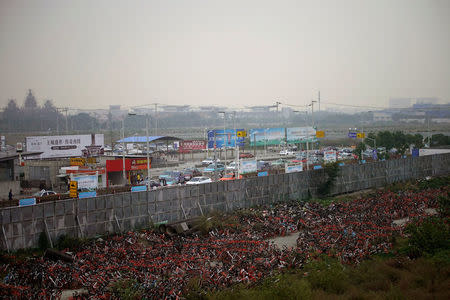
<point x="92" y="54"/>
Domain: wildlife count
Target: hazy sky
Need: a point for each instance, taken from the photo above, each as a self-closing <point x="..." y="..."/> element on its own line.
<point x="89" y="54"/>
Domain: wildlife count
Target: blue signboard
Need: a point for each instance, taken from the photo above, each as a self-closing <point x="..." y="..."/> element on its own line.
<point x="352" y="135"/>
<point x="317" y="167"/>
<point x="265" y="173"/>
<point x="27" y="201"/>
<point x="227" y="139"/>
<point x="139" y="188"/>
<point x="341" y="164"/>
<point x="87" y="194"/>
<point x="363" y="161"/>
<point x="415" y="152"/>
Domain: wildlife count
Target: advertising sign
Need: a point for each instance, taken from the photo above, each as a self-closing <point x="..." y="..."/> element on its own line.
<point x="266" y="136"/>
<point x="292" y="169"/>
<point x="301" y="135"/>
<point x="87" y="182"/>
<point x="192" y="145"/>
<point x="2" y="142"/>
<point x="329" y="156"/>
<point x="261" y="174"/>
<point x="139" y="188"/>
<point x="19" y="147"/>
<point x="227" y="139"/>
<point x="248" y="166"/>
<point x="87" y="195"/>
<point x="360" y="135"/>
<point x="64" y="145"/>
<point x="73" y="191"/>
<point x="27" y="201"/>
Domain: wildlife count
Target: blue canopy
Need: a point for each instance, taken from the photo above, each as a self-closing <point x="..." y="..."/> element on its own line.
<point x="143" y="139"/>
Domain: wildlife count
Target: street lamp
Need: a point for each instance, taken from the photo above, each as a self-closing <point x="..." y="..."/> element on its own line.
<point x="123" y="151"/>
<point x="147" y="142"/>
<point x="224" y="134"/>
<point x="307" y="135"/>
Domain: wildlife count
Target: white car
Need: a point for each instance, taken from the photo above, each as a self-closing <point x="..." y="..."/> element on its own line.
<point x="199" y="180"/>
<point x="232" y="166"/>
<point x="287" y="152"/>
<point x="44" y="193"/>
<point x="208" y="161"/>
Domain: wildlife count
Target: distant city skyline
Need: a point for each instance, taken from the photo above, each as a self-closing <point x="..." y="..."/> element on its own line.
<point x="92" y="54"/>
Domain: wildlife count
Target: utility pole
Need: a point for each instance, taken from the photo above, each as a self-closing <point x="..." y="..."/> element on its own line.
<point x="277" y="103"/>
<point x="236" y="176"/>
<point x="156" y="119"/>
<point x="123" y="152"/>
<point x="224" y="140"/>
<point x="215" y="160"/>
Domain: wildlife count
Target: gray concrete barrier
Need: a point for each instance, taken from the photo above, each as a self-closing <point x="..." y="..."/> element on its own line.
<point x="89" y="217"/>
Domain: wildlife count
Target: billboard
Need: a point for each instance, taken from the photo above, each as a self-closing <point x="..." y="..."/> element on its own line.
<point x="248" y="166"/>
<point x="192" y="145"/>
<point x="65" y="145"/>
<point x="266" y="136"/>
<point x="89" y="182"/>
<point x="292" y="169"/>
<point x="227" y="139"/>
<point x="301" y="135"/>
<point x="329" y="156"/>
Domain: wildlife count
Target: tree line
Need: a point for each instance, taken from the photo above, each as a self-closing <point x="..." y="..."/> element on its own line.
<point x="31" y="117"/>
<point x="399" y="141"/>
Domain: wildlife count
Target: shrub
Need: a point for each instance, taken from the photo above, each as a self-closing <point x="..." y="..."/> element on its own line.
<point x="127" y="289"/>
<point x="327" y="274"/>
<point x="67" y="242"/>
<point x="43" y="241"/>
<point x="428" y="237"/>
<point x="332" y="171"/>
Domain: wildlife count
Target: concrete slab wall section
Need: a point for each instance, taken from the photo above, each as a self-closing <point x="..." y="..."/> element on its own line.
<point x="90" y="217"/>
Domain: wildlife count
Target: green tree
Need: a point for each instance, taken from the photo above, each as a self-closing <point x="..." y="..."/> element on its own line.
<point x="361" y="147"/>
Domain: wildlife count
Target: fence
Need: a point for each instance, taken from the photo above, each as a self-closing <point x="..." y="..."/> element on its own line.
<point x="21" y="226"/>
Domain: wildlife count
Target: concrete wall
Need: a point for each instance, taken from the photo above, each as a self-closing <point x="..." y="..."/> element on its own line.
<point x="113" y="213"/>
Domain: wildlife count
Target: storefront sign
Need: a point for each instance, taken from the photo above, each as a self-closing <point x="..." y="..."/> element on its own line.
<point x="77" y="161"/>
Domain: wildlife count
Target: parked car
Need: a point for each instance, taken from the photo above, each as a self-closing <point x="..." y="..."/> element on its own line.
<point x="209" y="161"/>
<point x="287" y="152"/>
<point x="42" y="193"/>
<point x="189" y="173"/>
<point x="214" y="167"/>
<point x="245" y="155"/>
<point x="152" y="183"/>
<point x="232" y="166"/>
<point x="171" y="177"/>
<point x="199" y="180"/>
<point x="229" y="176"/>
<point x="263" y="165"/>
